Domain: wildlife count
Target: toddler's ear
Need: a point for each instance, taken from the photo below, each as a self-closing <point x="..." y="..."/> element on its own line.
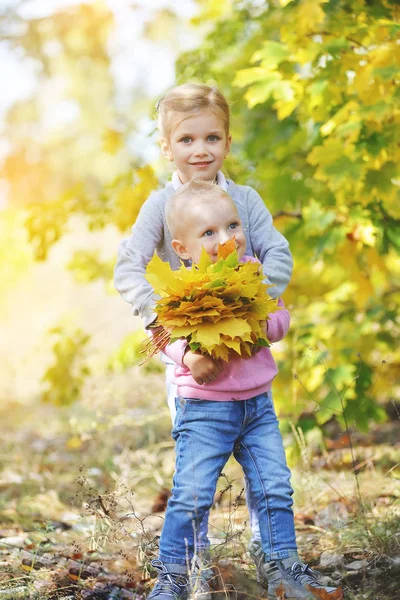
<point x="166" y="149"/>
<point x="180" y="249"/>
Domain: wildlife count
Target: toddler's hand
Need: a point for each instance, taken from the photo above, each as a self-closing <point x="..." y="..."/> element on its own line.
<point x="204" y="369"/>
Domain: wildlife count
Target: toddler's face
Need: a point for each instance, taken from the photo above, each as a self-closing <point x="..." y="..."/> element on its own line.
<point x="198" y="146"/>
<point x="208" y="224"/>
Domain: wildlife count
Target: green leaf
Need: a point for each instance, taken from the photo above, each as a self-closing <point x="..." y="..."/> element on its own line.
<point x="271" y="54"/>
<point x="388" y="72"/>
<point x="245" y="77"/>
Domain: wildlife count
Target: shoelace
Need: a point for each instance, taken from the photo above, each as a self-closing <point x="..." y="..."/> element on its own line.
<point x="304" y="574"/>
<point x="167" y="581"/>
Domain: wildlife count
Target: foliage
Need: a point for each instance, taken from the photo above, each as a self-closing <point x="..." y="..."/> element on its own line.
<point x="15" y="252"/>
<point x="87" y="266"/>
<point x="68" y="144"/>
<point x="313" y="88"/>
<point x="220" y="308"/>
<point x="316" y="116"/>
<point x="130" y="353"/>
<point x="65" y="377"/>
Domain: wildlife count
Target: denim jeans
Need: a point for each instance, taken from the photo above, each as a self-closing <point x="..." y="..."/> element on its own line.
<point x="202" y="542"/>
<point x="206" y="434"/>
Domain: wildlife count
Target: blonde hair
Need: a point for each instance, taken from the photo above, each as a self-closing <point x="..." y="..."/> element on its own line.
<point x="194" y="191"/>
<point x="190" y="98"/>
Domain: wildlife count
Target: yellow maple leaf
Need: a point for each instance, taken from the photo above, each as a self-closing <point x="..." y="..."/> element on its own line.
<point x="234" y="344"/>
<point x="159" y="275"/>
<point x="219" y="308"/>
<point x="204" y="262"/>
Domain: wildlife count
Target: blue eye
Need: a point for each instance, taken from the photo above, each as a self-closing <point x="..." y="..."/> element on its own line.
<point x="213" y="138"/>
<point x="208" y="233"/>
<point x="233" y="225"/>
<point x="186" y="140"/>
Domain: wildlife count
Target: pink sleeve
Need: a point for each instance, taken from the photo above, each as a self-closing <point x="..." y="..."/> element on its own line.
<point x="278" y="323"/>
<point x="176" y="351"/>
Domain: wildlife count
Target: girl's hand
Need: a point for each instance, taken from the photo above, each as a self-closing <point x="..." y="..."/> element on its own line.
<point x="160" y="335"/>
<point x="204" y="369"/>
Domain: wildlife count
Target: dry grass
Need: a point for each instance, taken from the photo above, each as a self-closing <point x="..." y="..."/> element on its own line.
<point x="80" y="482"/>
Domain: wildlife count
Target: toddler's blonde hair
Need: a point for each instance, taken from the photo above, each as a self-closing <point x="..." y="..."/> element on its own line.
<point x="194" y="191"/>
<point x="188" y="98"/>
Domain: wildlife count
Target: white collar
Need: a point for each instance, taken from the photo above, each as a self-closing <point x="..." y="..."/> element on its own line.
<point x="221" y="181"/>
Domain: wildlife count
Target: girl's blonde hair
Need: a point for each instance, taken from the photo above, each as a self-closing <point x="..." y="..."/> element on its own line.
<point x="190" y="98"/>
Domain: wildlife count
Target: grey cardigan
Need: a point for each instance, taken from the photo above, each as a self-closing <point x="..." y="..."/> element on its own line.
<point x="150" y="234"/>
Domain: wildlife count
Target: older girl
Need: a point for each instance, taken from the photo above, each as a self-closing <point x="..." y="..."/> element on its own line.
<point x="193" y="120"/>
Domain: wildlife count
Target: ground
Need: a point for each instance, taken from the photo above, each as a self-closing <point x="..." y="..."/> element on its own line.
<point x="83" y="492"/>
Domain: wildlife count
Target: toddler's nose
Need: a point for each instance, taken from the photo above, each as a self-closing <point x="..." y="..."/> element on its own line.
<point x="224" y="237"/>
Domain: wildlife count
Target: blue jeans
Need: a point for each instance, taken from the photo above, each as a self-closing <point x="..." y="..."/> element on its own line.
<point x="202" y="542"/>
<point x="206" y="434"/>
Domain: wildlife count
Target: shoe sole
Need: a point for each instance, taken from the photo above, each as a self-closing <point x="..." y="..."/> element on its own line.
<point x="280" y="594"/>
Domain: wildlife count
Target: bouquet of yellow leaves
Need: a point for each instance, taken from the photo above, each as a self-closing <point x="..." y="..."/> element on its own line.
<point x="219" y="308"/>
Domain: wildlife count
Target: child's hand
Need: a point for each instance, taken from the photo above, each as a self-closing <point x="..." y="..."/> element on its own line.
<point x="204" y="369"/>
<point x="160" y="335"/>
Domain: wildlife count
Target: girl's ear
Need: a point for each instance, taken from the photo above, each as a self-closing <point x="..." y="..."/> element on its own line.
<point x="166" y="149"/>
<point x="228" y="145"/>
<point x="180" y="249"/>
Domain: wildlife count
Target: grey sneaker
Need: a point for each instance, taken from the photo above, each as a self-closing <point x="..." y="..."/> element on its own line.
<point x="289" y="578"/>
<point x="172" y="583"/>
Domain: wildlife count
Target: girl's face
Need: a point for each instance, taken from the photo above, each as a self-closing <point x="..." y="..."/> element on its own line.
<point x="198" y="146"/>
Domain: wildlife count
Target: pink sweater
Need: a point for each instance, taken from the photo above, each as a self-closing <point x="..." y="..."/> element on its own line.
<point x="241" y="378"/>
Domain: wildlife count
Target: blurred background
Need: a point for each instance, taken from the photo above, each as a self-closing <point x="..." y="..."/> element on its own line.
<point x="313" y="90"/>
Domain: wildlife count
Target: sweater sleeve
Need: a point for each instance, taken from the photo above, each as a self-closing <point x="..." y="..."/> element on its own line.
<point x="278" y="323"/>
<point x="133" y="255"/>
<point x="269" y="245"/>
<point x="176" y="351"/>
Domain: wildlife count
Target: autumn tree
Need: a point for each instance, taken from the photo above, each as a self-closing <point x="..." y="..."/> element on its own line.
<point x="313" y="87"/>
<point x="315" y="104"/>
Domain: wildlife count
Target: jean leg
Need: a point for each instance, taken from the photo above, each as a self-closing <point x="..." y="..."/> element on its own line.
<point x="252" y="507"/>
<point x="202" y="542"/>
<point x="205" y="433"/>
<point x="262" y="456"/>
<point x="253" y="512"/>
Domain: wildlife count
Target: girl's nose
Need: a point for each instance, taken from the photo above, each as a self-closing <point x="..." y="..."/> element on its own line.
<point x="200" y="149"/>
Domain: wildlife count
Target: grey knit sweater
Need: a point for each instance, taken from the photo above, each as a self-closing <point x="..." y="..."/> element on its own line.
<point x="150" y="233"/>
